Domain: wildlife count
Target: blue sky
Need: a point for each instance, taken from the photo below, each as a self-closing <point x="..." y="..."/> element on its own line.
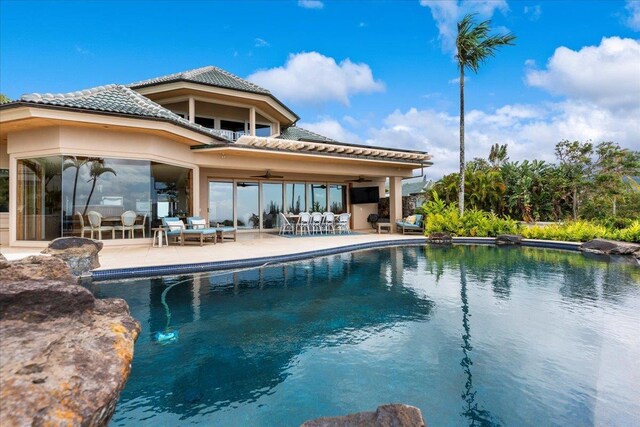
<point x="377" y="73"/>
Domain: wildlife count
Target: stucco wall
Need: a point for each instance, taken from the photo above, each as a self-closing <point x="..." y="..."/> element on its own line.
<point x="4" y="216"/>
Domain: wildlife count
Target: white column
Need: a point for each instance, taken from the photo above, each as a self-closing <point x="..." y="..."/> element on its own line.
<point x="252" y="121"/>
<point x="192" y="109"/>
<point x="395" y="201"/>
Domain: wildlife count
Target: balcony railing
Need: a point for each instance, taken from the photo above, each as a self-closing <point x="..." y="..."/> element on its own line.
<point x="229" y="134"/>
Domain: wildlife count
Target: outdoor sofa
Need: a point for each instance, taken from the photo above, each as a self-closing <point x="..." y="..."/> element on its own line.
<point x="411" y="225"/>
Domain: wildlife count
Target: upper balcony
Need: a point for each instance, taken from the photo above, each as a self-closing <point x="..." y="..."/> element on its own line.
<point x="217" y="99"/>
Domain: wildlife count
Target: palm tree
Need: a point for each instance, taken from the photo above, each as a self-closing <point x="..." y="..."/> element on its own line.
<point x="96" y="169"/>
<point x="474" y="45"/>
<point x="76" y="163"/>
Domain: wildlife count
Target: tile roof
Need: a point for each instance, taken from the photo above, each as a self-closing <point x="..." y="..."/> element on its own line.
<point x="208" y="75"/>
<point x="295" y="133"/>
<point x="116" y="99"/>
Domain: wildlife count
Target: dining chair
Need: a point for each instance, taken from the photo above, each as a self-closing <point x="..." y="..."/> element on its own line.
<point x="285" y="225"/>
<point x="95" y="221"/>
<point x="141" y="226"/>
<point x="303" y="222"/>
<point x="83" y="228"/>
<point x="316" y="222"/>
<point x="328" y="222"/>
<point x="128" y="220"/>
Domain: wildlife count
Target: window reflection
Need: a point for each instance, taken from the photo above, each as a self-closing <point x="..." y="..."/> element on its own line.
<point x="221" y="203"/>
<point x="295" y="198"/>
<point x="271" y="205"/>
<point x="337" y="198"/>
<point x="58" y="194"/>
<point x="248" y="205"/>
<point x="317" y="197"/>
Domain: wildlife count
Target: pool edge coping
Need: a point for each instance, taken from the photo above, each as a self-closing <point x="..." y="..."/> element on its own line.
<point x="173" y="269"/>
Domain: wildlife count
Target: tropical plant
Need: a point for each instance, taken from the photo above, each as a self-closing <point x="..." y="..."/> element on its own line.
<point x="75" y="163"/>
<point x="96" y="170"/>
<point x="4" y="99"/>
<point x="474" y="45"/>
<point x="575" y="162"/>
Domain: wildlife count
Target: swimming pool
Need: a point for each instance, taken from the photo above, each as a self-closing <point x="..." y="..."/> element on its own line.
<point x="472" y="335"/>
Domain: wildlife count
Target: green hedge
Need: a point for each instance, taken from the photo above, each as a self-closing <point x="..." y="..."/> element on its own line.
<point x="440" y="217"/>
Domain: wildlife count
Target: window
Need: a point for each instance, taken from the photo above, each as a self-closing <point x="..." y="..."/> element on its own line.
<point x="317" y="197"/>
<point x="206" y="122"/>
<point x="295" y="202"/>
<point x="55" y="195"/>
<point x="263" y="130"/>
<point x="4" y="190"/>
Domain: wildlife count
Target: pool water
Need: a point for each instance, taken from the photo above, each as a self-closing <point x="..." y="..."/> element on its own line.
<point x="471" y="335"/>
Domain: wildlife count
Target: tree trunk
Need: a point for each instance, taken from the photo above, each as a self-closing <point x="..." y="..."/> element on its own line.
<point x="614" y="206"/>
<point x="461" y="184"/>
<point x="86" y="206"/>
<point x="575" y="203"/>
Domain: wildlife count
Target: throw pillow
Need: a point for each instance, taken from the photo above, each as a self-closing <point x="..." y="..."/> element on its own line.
<point x="198" y="224"/>
<point x="411" y="219"/>
<point x="175" y="225"/>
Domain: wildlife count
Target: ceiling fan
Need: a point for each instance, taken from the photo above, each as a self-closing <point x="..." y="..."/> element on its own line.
<point x="268" y="175"/>
<point x="360" y="179"/>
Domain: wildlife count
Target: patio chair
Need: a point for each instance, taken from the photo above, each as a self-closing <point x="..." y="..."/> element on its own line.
<point x="316" y="222"/>
<point x="329" y="222"/>
<point x="83" y="228"/>
<point x="128" y="220"/>
<point x="198" y="226"/>
<point x="141" y="226"/>
<point x="343" y="223"/>
<point x="222" y="232"/>
<point x="95" y="221"/>
<point x="285" y="225"/>
<point x="411" y="224"/>
<point x="303" y="222"/>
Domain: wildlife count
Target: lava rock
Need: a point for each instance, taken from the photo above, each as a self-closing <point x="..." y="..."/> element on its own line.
<point x="611" y="247"/>
<point x="80" y="253"/>
<point x="38" y="268"/>
<point x="508" y="239"/>
<point x="393" y="415"/>
<point x="439" y="237"/>
<point x="65" y="355"/>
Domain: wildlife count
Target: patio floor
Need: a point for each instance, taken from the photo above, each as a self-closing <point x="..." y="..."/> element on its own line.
<point x="247" y="246"/>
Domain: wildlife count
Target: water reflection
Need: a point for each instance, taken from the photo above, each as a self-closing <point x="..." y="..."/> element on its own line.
<point x="240" y="331"/>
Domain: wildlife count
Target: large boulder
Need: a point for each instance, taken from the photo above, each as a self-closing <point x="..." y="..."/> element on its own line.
<point x="508" y="239"/>
<point x="393" y="415"/>
<point x="80" y="253"/>
<point x="37" y="267"/>
<point x="611" y="247"/>
<point x="439" y="237"/>
<point x="65" y="355"/>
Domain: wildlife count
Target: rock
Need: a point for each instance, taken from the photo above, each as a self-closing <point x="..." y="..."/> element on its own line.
<point x="80" y="253"/>
<point x="69" y="366"/>
<point x="37" y="267"/>
<point x="509" y="239"/>
<point x="439" y="237"/>
<point x="611" y="247"/>
<point x="3" y="262"/>
<point x="393" y="415"/>
<point x="37" y="301"/>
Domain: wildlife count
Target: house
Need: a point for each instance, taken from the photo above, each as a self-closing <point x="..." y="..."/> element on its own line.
<point x="202" y="142"/>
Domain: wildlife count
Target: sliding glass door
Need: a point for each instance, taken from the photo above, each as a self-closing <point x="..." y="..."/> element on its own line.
<point x="220" y="203"/>
<point x="271" y="204"/>
<point x="248" y="209"/>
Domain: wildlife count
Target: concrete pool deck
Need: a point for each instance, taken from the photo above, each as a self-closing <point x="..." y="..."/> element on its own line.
<point x="250" y="249"/>
<point x="248" y="246"/>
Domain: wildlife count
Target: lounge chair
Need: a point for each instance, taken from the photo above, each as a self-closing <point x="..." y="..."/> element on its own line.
<point x="411" y="227"/>
<point x="222" y="232"/>
<point x="177" y="229"/>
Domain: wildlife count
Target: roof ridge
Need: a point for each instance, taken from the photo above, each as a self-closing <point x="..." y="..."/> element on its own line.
<point x="196" y="71"/>
<point x="314" y="133"/>
<point x="37" y="97"/>
<point x="229" y="74"/>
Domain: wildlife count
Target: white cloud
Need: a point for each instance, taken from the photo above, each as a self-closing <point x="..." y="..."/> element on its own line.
<point x="530" y="131"/>
<point x="261" y="43"/>
<point x="633" y="21"/>
<point x="533" y="12"/>
<point x="607" y="75"/>
<point x="448" y="13"/>
<point x="314" y="78"/>
<point x="311" y="4"/>
<point x="332" y="129"/>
